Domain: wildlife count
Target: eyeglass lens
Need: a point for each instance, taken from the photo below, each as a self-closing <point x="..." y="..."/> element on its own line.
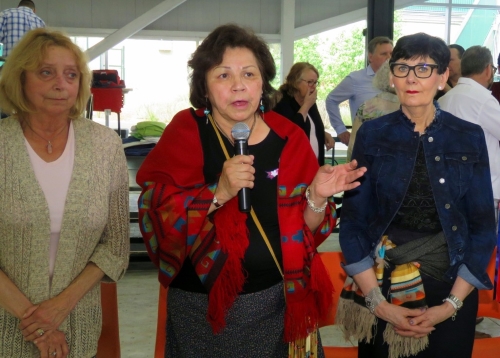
<point x="311" y="83"/>
<point x="421" y="71"/>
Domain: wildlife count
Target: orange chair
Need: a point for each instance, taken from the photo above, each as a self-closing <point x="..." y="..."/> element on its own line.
<point x="109" y="341"/>
<point x="161" y="323"/>
<point x="332" y="261"/>
<point x="488" y="307"/>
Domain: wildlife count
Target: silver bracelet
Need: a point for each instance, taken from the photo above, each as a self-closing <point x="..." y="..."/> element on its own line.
<point x="455" y="302"/>
<point x="447" y="299"/>
<point x="311" y="205"/>
<point x="373" y="299"/>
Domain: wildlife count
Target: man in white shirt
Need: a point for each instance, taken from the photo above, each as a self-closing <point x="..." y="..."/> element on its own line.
<point x="357" y="86"/>
<point x="472" y="101"/>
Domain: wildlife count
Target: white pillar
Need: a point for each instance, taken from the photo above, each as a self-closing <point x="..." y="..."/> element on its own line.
<point x="287" y="36"/>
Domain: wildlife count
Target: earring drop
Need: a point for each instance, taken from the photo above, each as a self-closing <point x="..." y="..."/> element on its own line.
<point x="261" y="106"/>
<point x="206" y="111"/>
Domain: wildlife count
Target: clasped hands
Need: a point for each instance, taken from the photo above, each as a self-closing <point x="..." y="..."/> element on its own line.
<point x="40" y="325"/>
<point x="415" y="323"/>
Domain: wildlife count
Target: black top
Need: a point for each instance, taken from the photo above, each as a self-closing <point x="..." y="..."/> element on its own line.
<point x="288" y="107"/>
<point x="417" y="217"/>
<point x="261" y="270"/>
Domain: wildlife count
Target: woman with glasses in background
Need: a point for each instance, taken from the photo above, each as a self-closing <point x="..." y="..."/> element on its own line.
<point x="418" y="233"/>
<point x="296" y="100"/>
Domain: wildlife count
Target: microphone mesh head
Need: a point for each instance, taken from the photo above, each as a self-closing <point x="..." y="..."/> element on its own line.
<point x="240" y="131"/>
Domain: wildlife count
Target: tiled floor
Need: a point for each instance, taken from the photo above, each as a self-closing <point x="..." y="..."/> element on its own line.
<point x="138" y="300"/>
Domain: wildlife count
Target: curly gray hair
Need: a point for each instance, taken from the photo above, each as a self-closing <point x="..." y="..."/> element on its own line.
<point x="381" y="78"/>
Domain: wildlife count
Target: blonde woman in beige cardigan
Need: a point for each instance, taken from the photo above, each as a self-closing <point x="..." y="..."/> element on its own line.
<point x="63" y="203"/>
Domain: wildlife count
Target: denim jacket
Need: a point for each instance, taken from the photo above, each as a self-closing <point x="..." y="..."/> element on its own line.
<point x="457" y="162"/>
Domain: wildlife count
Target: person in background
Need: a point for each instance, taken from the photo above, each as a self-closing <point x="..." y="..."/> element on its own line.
<point x="63" y="203"/>
<point x="454" y="68"/>
<point x="15" y="22"/>
<point x="418" y="233"/>
<point x="383" y="103"/>
<point x="227" y="270"/>
<point x="296" y="100"/>
<point x="357" y="86"/>
<point x="471" y="100"/>
<point x="495" y="86"/>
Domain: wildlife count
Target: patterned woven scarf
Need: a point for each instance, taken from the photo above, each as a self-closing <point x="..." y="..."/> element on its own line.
<point x="406" y="290"/>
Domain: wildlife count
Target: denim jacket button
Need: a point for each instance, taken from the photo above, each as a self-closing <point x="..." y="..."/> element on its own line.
<point x="464" y="158"/>
<point x="431" y="139"/>
<point x="447" y="206"/>
<point x="437" y="158"/>
<point x="454" y="228"/>
<point x="442" y="180"/>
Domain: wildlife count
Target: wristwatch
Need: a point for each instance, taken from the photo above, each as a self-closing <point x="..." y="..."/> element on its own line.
<point x="216" y="203"/>
<point x="456" y="300"/>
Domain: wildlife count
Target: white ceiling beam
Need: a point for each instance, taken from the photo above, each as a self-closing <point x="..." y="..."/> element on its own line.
<point x="153" y="34"/>
<point x="133" y="27"/>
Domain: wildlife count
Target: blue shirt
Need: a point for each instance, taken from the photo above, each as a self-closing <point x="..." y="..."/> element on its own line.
<point x="458" y="168"/>
<point x="356" y="87"/>
<point x="14" y="23"/>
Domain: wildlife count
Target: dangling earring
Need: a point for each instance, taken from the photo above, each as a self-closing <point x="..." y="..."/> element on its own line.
<point x="261" y="106"/>
<point x="206" y="111"/>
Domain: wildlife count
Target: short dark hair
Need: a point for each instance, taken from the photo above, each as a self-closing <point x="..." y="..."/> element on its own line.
<point x="459" y="48"/>
<point x="422" y="45"/>
<point x="475" y="60"/>
<point x="379" y="40"/>
<point x="211" y="51"/>
<point x="27" y="3"/>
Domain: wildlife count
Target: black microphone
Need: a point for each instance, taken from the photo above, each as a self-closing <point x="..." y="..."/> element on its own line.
<point x="240" y="133"/>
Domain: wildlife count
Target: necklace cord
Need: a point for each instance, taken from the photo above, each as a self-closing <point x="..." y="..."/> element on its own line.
<point x="225" y="135"/>
<point x="49" y="141"/>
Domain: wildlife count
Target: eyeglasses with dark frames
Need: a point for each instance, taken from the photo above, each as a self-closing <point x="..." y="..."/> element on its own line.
<point x="494" y="68"/>
<point x="401" y="70"/>
<point x="310" y="83"/>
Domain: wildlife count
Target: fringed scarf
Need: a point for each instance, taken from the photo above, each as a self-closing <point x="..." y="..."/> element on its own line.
<point x="308" y="293"/>
<point x="429" y="255"/>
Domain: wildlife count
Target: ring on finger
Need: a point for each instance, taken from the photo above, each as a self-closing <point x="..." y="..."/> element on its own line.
<point x="54" y="353"/>
<point x="40" y="332"/>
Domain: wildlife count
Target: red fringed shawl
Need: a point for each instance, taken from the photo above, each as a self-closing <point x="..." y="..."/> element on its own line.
<point x="173" y="219"/>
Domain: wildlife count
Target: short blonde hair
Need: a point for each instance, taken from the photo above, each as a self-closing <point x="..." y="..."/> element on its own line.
<point x="28" y="55"/>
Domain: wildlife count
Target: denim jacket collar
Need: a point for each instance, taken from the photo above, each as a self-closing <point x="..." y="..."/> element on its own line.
<point x="434" y="126"/>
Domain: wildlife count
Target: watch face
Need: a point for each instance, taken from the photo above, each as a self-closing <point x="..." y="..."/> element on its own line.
<point x="216" y="203"/>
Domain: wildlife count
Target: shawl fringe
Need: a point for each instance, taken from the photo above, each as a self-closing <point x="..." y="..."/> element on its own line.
<point x="400" y="346"/>
<point x="361" y="328"/>
<point x="302" y="316"/>
<point x="229" y="283"/>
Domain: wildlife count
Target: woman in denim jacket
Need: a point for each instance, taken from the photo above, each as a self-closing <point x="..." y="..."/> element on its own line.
<point x="418" y="233"/>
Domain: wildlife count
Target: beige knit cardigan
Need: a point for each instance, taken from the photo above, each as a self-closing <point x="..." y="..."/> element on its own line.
<point x="95" y="228"/>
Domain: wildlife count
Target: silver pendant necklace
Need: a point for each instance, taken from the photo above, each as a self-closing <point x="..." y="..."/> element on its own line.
<point x="49" y="141"/>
